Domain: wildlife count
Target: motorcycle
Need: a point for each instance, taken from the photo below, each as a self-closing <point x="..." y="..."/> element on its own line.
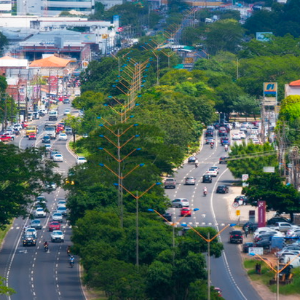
<point x="204" y="193"/>
<point x="46" y="248"/>
<point x="211" y="146"/>
<point x="226" y="148"/>
<point x="71" y="263"/>
<point x="196" y="165"/>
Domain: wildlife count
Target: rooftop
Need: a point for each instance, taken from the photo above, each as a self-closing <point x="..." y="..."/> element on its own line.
<point x="50" y="62"/>
<point x="295" y="83"/>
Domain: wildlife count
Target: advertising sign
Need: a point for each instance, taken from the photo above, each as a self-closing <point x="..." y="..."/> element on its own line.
<point x="270" y="88"/>
<point x="261" y="213"/>
<point x="256" y="250"/>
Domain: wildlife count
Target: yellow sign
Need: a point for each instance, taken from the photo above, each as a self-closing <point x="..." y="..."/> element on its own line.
<point x="188" y="60"/>
<point x="237" y="212"/>
<point x="104" y="36"/>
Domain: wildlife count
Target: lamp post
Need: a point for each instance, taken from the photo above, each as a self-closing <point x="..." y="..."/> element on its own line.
<point x="208" y="240"/>
<point x="277" y="272"/>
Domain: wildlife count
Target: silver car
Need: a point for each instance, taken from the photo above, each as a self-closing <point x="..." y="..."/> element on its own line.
<point x="180" y="202"/>
<point x="190" y="180"/>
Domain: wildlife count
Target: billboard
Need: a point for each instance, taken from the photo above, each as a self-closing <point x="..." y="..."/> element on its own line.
<point x="261" y="213"/>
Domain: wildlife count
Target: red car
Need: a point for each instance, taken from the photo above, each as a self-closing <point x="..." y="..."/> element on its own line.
<point x="5" y="138"/>
<point x="32" y="136"/>
<point x="185" y="211"/>
<point x="54" y="225"/>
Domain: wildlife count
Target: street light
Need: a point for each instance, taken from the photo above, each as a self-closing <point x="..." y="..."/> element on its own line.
<point x="277" y="272"/>
<point x="208" y="240"/>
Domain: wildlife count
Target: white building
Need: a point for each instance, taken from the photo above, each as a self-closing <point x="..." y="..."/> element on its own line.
<point x="54" y="8"/>
<point x="5" y="7"/>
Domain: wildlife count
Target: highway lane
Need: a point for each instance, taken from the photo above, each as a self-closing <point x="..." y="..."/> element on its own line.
<point x="33" y="273"/>
<point x="227" y="271"/>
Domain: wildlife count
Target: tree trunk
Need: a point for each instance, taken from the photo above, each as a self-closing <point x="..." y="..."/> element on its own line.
<point x="292" y="217"/>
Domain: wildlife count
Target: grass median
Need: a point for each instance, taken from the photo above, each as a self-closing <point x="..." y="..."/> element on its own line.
<point x="3" y="233"/>
<point x="267" y="274"/>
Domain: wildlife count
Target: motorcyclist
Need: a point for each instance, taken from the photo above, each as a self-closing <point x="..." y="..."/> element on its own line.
<point x="46" y="245"/>
<point x="204" y="191"/>
<point x="72" y="259"/>
<point x="212" y="144"/>
<point x="196" y="163"/>
<point x="226" y="147"/>
<point x="68" y="250"/>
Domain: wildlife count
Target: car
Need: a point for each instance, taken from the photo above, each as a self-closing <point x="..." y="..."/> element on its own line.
<point x="31" y="231"/>
<point x="62" y="209"/>
<point x="212" y="172"/>
<point x="190" y="180"/>
<point x="53" y="152"/>
<point x="5" y="138"/>
<point x="28" y="240"/>
<point x="222" y="189"/>
<point x="192" y="159"/>
<point x="59" y="129"/>
<point x="206" y="178"/>
<point x="185" y="211"/>
<point x="32" y="136"/>
<point x="40" y="213"/>
<point x="241" y="200"/>
<point x="244" y="129"/>
<point x="46" y="139"/>
<point x="236" y="236"/>
<point x="256" y="141"/>
<point x="68" y="130"/>
<point x="54" y="225"/>
<point x="293" y="233"/>
<point x="262" y="230"/>
<point x="274" y="220"/>
<point x="67" y="111"/>
<point x="57" y="236"/>
<point x="51" y="185"/>
<point x="36" y="224"/>
<point x="262" y="244"/>
<point x="81" y="160"/>
<point x="283" y="226"/>
<point x="57" y="216"/>
<point x="180" y="202"/>
<point x="242" y="134"/>
<point x="223" y="160"/>
<point x="48" y="147"/>
<point x="58" y="157"/>
<point x="170" y="183"/>
<point x="251" y="226"/>
<point x="209" y="140"/>
<point x="66" y="101"/>
<point x="215" y="168"/>
<point x="223" y="139"/>
<point x="167" y="217"/>
<point x="18" y="126"/>
<point x="62" y="137"/>
<point x="226" y="142"/>
<point x="236" y="136"/>
<point x="61" y="201"/>
<point x="246" y="247"/>
<point x="209" y="133"/>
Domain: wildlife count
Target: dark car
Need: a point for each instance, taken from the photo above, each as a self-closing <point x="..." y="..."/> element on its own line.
<point x="46" y="139"/>
<point x="222" y="189"/>
<point x="274" y="220"/>
<point x="209" y="140"/>
<point x="192" y="159"/>
<point x="252" y="226"/>
<point x="241" y="199"/>
<point x="225" y="141"/>
<point x="263" y="244"/>
<point x="29" y="240"/>
<point x="236" y="236"/>
<point x="223" y="160"/>
<point x="209" y="133"/>
<point x="207" y="179"/>
<point x="246" y="247"/>
<point x="167" y="216"/>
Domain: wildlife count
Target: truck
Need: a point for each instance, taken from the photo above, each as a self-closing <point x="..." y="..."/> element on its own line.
<point x="50" y="130"/>
<point x="53" y="114"/>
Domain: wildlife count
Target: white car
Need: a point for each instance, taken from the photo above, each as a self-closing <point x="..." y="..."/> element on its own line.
<point x="62" y="137"/>
<point x="242" y="134"/>
<point x="212" y="172"/>
<point x="67" y="111"/>
<point x="40" y="213"/>
<point x="236" y="136"/>
<point x="61" y="201"/>
<point x="57" y="216"/>
<point x="293" y="233"/>
<point x="215" y="168"/>
<point x="262" y="230"/>
<point x="18" y="127"/>
<point x="31" y="231"/>
<point x="57" y="236"/>
<point x="58" y="157"/>
<point x="81" y="160"/>
<point x="180" y="202"/>
<point x="48" y="147"/>
<point x="243" y="128"/>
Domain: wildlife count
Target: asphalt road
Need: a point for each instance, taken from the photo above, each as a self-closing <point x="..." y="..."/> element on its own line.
<point x="30" y="271"/>
<point x="227" y="272"/>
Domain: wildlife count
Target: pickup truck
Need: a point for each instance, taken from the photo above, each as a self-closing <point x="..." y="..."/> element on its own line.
<point x="170" y="183"/>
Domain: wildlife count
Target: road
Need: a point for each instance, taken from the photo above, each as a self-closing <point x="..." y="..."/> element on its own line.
<point x="227" y="272"/>
<point x="30" y="271"/>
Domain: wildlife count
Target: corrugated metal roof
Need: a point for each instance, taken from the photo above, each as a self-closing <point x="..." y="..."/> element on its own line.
<point x="50" y="62"/>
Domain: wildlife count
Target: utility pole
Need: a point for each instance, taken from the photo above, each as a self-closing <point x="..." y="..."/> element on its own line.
<point x="137" y="230"/>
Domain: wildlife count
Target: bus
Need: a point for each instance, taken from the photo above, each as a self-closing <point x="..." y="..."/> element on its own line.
<point x="31" y="129"/>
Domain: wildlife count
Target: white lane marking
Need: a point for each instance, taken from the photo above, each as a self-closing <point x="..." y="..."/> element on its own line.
<point x="218" y="229"/>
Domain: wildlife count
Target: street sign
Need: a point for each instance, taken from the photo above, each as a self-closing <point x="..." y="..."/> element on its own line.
<point x="235" y="204"/>
<point x="238" y="212"/>
<point x="256" y="250"/>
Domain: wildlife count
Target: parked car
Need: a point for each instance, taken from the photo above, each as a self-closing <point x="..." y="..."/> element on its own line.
<point x="293" y="233"/>
<point x="185" y="211"/>
<point x="263" y="244"/>
<point x="283" y="226"/>
<point x="222" y="189"/>
<point x="246" y="247"/>
<point x="206" y="179"/>
<point x="57" y="236"/>
<point x="170" y="183"/>
<point x="180" y="202"/>
<point x="236" y="236"/>
<point x="241" y="200"/>
<point x="190" y="180"/>
<point x="274" y="220"/>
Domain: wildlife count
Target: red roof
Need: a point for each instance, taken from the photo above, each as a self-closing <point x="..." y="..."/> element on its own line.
<point x="295" y="83"/>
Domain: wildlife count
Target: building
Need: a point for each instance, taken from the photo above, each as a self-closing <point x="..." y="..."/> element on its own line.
<point x="5" y="7"/>
<point x="110" y="3"/>
<point x="49" y="8"/>
<point x="292" y="88"/>
<point x="8" y="63"/>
